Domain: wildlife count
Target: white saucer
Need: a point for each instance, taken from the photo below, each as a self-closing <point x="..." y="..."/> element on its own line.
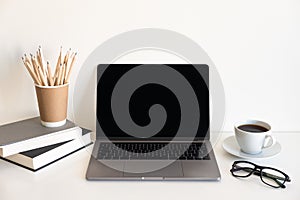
<point x="231" y="146"/>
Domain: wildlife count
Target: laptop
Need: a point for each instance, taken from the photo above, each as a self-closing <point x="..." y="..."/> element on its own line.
<point x="152" y="123"/>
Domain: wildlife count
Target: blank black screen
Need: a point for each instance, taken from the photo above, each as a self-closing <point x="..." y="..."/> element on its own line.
<point x="148" y="95"/>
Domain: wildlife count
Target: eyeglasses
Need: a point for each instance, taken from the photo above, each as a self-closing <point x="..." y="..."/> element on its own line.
<point x="268" y="175"/>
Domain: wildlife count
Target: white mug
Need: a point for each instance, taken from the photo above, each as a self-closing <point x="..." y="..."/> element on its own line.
<point x="253" y="141"/>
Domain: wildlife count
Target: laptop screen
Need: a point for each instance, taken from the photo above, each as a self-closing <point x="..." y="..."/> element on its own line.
<point x="152" y="101"/>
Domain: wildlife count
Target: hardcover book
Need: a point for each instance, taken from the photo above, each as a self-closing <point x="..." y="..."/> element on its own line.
<point x="30" y="134"/>
<point x="39" y="158"/>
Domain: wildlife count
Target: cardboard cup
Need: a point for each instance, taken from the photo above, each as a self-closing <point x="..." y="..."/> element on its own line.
<point x="53" y="104"/>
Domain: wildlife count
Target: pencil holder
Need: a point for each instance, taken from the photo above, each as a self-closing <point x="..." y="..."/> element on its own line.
<point x="53" y="104"/>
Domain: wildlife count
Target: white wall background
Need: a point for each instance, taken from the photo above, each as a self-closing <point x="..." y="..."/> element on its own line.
<point x="254" y="44"/>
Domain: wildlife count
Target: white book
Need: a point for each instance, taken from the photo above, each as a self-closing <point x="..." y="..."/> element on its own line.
<point x="44" y="156"/>
<point x="30" y="134"/>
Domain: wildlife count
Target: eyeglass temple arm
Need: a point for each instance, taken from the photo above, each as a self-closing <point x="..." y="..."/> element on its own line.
<point x="275" y="178"/>
<point x="256" y="172"/>
<point x="279" y="183"/>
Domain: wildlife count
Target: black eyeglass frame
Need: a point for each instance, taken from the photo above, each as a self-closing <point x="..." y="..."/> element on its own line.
<point x="258" y="170"/>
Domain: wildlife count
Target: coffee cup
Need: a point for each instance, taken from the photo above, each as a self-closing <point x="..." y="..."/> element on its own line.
<point x="253" y="136"/>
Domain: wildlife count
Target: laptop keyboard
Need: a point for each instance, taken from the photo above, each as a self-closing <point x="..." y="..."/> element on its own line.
<point x="149" y="151"/>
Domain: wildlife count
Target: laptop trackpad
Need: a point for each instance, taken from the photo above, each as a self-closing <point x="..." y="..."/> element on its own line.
<point x="151" y="168"/>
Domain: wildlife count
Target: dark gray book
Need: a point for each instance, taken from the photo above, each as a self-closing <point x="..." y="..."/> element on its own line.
<point x="30" y="134"/>
<point x="39" y="158"/>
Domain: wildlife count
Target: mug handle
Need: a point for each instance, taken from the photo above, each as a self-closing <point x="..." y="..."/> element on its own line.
<point x="267" y="142"/>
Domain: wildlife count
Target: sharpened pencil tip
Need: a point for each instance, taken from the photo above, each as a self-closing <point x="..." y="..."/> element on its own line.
<point x="47" y="62"/>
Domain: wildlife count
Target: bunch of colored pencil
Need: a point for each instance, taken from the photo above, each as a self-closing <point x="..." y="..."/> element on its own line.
<point x="40" y="71"/>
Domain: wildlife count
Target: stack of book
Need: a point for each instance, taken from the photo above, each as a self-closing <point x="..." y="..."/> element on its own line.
<point x="30" y="145"/>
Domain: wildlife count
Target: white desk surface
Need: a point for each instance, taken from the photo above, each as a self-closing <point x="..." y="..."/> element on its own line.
<point x="66" y="180"/>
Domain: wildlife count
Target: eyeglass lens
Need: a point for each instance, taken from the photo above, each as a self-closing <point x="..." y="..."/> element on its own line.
<point x="272" y="177"/>
<point x="243" y="169"/>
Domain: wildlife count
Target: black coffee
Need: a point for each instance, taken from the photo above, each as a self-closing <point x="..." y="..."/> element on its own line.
<point x="253" y="128"/>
